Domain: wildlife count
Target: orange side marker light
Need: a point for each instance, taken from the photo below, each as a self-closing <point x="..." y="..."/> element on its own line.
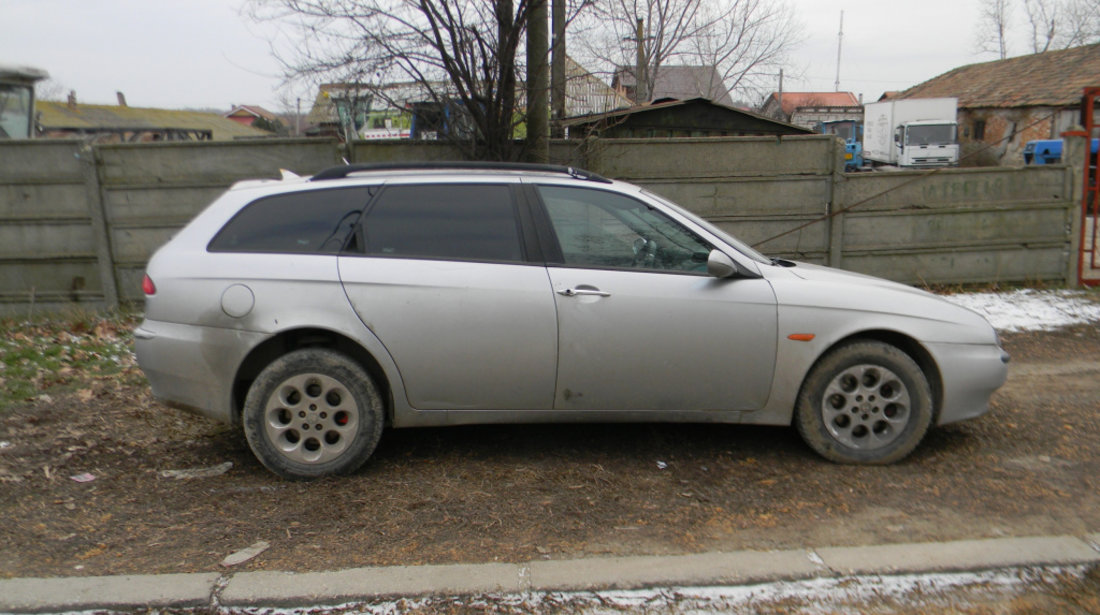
<point x="801" y="337"/>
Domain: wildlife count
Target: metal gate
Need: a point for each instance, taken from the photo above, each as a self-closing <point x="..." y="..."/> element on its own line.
<point x="1089" y="261"/>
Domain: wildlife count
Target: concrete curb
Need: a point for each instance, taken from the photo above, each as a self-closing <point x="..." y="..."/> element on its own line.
<point x="736" y="568"/>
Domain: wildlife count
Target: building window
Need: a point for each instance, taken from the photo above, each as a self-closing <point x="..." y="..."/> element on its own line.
<point x="979" y="130"/>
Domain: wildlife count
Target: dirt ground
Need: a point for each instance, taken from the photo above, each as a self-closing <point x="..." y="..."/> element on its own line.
<point x="516" y="493"/>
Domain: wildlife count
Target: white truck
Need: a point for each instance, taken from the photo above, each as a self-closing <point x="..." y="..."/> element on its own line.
<point x="911" y="132"/>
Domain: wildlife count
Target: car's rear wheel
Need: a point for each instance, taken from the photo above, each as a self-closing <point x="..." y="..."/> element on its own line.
<point x="311" y="413"/>
<point x="864" y="402"/>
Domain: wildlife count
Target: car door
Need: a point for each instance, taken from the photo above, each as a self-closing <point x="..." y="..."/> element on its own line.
<point x="442" y="279"/>
<point x="641" y="326"/>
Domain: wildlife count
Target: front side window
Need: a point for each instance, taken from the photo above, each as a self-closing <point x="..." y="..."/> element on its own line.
<point x="309" y="222"/>
<point x="596" y="228"/>
<point x="443" y="221"/>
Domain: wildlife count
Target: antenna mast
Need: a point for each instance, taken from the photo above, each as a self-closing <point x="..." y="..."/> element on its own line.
<point x="839" y="42"/>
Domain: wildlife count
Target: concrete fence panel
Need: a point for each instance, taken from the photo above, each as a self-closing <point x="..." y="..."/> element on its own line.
<point x="637" y="160"/>
<point x="958" y="225"/>
<point x="48" y="249"/>
<point x="78" y="224"/>
<point x="151" y="190"/>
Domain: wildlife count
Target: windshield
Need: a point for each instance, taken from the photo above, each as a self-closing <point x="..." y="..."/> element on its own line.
<point x="15" y="111"/>
<point x="842" y="130"/>
<point x="735" y="243"/>
<point x="932" y="134"/>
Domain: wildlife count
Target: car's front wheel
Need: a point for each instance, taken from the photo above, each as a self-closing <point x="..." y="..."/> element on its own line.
<point x="313" y="412"/>
<point x="864" y="402"/>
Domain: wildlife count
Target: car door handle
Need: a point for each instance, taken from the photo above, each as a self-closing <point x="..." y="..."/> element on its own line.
<point x="574" y="292"/>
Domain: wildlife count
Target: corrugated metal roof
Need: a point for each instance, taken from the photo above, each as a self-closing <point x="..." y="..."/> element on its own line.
<point x="1054" y="79"/>
<point x="60" y="116"/>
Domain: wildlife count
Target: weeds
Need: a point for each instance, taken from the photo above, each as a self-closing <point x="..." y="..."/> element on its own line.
<point x="67" y="352"/>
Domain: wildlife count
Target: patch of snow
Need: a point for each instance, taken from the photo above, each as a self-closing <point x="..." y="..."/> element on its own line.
<point x="1031" y="310"/>
<point x="810" y="596"/>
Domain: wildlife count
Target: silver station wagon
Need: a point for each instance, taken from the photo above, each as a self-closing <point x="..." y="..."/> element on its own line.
<point x="316" y="311"/>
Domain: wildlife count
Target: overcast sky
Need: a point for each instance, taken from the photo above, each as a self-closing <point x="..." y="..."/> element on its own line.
<point x="205" y="53"/>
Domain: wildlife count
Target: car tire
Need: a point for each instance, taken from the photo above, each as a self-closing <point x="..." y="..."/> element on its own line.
<point x="864" y="403"/>
<point x="311" y="413"/>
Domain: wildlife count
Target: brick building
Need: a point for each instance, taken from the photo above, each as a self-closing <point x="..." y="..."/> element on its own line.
<point x="810" y="109"/>
<point x="1006" y="103"/>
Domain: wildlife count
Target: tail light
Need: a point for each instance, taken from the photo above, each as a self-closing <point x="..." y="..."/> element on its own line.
<point x="147" y="285"/>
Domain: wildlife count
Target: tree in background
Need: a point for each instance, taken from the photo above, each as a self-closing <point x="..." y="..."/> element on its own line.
<point x="460" y="55"/>
<point x="746" y="40"/>
<point x="1050" y="24"/>
<point x="273" y="126"/>
<point x="1060" y="24"/>
<point x="993" y="27"/>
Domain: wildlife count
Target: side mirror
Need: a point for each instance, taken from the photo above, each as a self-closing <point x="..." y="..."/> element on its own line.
<point x="720" y="265"/>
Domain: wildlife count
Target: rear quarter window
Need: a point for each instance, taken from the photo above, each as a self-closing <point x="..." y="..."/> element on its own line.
<point x="309" y="222"/>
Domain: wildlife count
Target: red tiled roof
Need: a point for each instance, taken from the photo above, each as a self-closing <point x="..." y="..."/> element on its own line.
<point x="794" y="100"/>
<point x="1054" y="78"/>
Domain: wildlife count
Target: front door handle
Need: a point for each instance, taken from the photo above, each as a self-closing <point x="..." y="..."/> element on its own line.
<point x="574" y="292"/>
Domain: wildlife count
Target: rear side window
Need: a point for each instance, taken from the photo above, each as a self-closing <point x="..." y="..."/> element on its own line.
<point x="453" y="221"/>
<point x="310" y="222"/>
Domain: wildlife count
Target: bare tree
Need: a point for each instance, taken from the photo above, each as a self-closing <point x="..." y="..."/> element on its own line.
<point x="748" y="44"/>
<point x="1080" y="24"/>
<point x="993" y="26"/>
<point x="1052" y="24"/>
<point x="460" y="55"/>
<point x="1043" y="16"/>
<point x="743" y="39"/>
<point x="51" y="90"/>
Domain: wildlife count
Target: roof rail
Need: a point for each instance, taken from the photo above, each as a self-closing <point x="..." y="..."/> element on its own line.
<point x="344" y="171"/>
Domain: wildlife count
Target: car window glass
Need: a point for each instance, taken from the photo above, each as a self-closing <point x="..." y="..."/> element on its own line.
<point x="313" y="221"/>
<point x="739" y="245"/>
<point x="463" y="221"/>
<point x="596" y="228"/>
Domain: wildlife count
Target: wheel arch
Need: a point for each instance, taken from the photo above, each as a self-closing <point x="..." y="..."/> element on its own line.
<point x="293" y="339"/>
<point x="910" y="346"/>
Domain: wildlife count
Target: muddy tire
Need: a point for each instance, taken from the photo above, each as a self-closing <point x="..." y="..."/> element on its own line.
<point x="311" y="413"/>
<point x="864" y="402"/>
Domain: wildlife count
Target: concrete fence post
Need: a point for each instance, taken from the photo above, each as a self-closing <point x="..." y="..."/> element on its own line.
<point x="835" y="236"/>
<point x="97" y="212"/>
<point x="1074" y="146"/>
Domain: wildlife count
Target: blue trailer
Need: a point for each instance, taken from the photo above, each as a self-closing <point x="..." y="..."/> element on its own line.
<point x="1049" y="151"/>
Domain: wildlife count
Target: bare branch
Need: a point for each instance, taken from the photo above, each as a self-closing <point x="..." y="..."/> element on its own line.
<point x="993" y="26"/>
<point x="456" y="54"/>
<point x="743" y="39"/>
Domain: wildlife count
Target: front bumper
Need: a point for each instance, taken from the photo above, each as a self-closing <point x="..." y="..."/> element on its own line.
<point x="970" y="374"/>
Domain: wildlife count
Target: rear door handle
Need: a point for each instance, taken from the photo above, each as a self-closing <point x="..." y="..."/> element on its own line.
<point x="574" y="292"/>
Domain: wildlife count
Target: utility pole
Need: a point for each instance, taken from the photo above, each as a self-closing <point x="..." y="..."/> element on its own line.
<point x="839" y="42"/>
<point x="538" y="83"/>
<point x="780" y="97"/>
<point x="557" y="70"/>
<point x="641" y="89"/>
